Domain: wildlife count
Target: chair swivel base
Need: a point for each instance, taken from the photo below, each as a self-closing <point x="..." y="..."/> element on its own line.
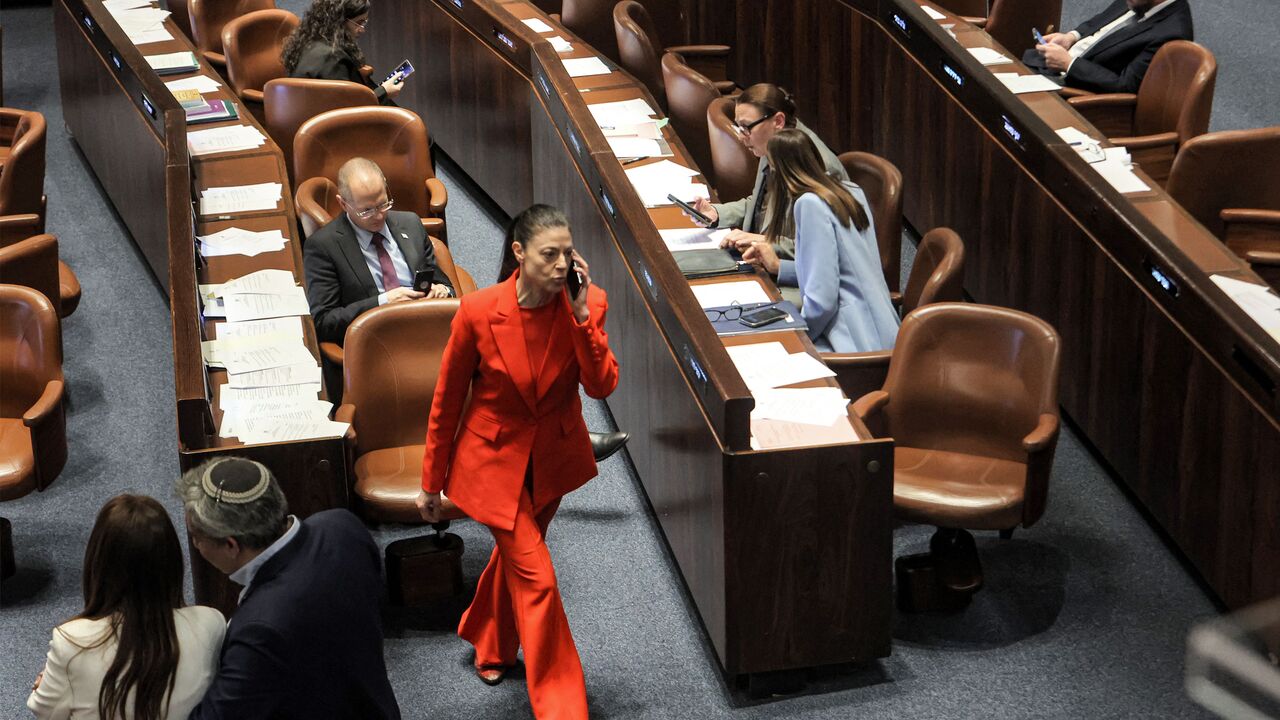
<point x="7" y="565"/>
<point x="943" y="579"/>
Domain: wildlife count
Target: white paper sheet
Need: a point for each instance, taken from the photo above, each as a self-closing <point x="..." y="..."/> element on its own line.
<point x="680" y="239"/>
<point x="240" y="198"/>
<point x="199" y="83"/>
<point x="262" y="281"/>
<point x="291" y="326"/>
<point x="231" y="138"/>
<point x="1019" y="84"/>
<point x="585" y="67"/>
<point x="559" y="44"/>
<point x="258" y="306"/>
<point x="245" y="360"/>
<point x="170" y="61"/>
<point x="807" y="406"/>
<point x="301" y="374"/>
<point x="987" y="56"/>
<point x="720" y="294"/>
<point x="621" y="113"/>
<point x="536" y="25"/>
<point x="933" y="13"/>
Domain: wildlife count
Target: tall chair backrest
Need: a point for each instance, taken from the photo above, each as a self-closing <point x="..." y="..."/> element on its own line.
<point x="732" y="165"/>
<point x="181" y="10"/>
<point x="289" y="102"/>
<point x="392" y="137"/>
<point x="937" y="274"/>
<point x="253" y="44"/>
<point x="965" y="8"/>
<point x="1225" y="170"/>
<point x="1011" y="21"/>
<point x="30" y="347"/>
<point x="33" y="263"/>
<point x="639" y="47"/>
<point x="22" y="175"/>
<point x="971" y="379"/>
<point x="208" y="17"/>
<point x="592" y="20"/>
<point x="882" y="182"/>
<point x="390" y="367"/>
<point x="1176" y="94"/>
<point x="689" y="93"/>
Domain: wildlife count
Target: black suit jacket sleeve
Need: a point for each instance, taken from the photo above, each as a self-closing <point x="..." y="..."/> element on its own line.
<point x="251" y="678"/>
<point x="324" y="288"/>
<point x="318" y="61"/>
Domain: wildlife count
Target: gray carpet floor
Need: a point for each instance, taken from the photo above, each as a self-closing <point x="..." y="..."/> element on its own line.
<point x="1085" y="615"/>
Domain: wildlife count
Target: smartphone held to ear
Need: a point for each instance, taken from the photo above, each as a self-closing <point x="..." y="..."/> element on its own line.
<point x="573" y="282"/>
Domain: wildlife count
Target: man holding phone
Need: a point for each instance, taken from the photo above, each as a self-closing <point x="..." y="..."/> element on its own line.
<point x="1110" y="52"/>
<point x="368" y="256"/>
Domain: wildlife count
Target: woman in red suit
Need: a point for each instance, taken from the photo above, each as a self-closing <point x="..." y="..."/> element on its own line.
<point x="521" y="347"/>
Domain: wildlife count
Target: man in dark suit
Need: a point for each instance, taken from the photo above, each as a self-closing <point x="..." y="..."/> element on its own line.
<point x="1112" y="50"/>
<point x="367" y="256"/>
<point x="306" y="641"/>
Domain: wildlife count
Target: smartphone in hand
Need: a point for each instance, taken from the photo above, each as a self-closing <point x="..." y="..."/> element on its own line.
<point x="573" y="282"/>
<point x="404" y="70"/>
<point x="423" y="279"/>
<point x="1035" y="33"/>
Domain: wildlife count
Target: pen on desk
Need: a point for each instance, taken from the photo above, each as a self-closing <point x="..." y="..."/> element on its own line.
<point x="635" y="160"/>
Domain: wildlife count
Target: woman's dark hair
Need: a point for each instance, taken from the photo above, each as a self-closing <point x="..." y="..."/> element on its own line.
<point x="770" y="100"/>
<point x="325" y="21"/>
<point x="524" y="228"/>
<point x="795" y="169"/>
<point x="133" y="577"/>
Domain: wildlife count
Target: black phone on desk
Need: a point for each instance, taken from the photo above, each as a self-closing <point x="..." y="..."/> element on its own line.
<point x="693" y="212"/>
<point x="763" y="316"/>
<point x="573" y="281"/>
<point x="424" y="279"/>
<point x="404" y="70"/>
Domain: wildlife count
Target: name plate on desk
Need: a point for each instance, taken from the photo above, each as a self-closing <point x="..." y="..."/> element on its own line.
<point x="696" y="372"/>
<point x="1162" y="278"/>
<point x="504" y="40"/>
<point x="952" y="74"/>
<point x="1012" y="131"/>
<point x="900" y="22"/>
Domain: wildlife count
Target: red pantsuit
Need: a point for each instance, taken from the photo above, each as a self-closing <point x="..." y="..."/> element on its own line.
<point x="521" y="446"/>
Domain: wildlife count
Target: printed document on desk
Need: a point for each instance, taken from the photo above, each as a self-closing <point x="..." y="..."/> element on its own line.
<point x="776" y="434"/>
<point x="1019" y="84"/>
<point x="585" y="67"/>
<point x="1257" y="301"/>
<point x="804" y="406"/>
<point x="740" y="292"/>
<point x="763" y="367"/>
<point x="236" y="241"/>
<point x="307" y="373"/>
<point x="559" y="44"/>
<point x="232" y="138"/>
<point x="537" y="25"/>
<point x="199" y="83"/>
<point x="259" y="306"/>
<point x="291" y="326"/>
<point x="621" y="112"/>
<point x="678" y="239"/>
<point x="240" y="198"/>
<point x="987" y="56"/>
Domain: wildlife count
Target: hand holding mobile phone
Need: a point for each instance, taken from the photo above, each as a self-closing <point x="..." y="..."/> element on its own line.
<point x="402" y="71"/>
<point x="423" y="279"/>
<point x="1035" y="33"/>
<point x="690" y="210"/>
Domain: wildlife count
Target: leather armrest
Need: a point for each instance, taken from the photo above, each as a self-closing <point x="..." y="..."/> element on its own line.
<point x="728" y="88"/>
<point x="1146" y="142"/>
<point x="1242" y="215"/>
<point x="49" y="401"/>
<point x="895" y="297"/>
<point x="1262" y="257"/>
<point x="48" y="425"/>
<point x="700" y="50"/>
<point x="14" y="228"/>
<point x="555" y="17"/>
<point x="437" y="196"/>
<point x="1043" y="436"/>
<point x="251" y="95"/>
<point x="1070" y="92"/>
<point x="218" y="60"/>
<point x="435" y="228"/>
<point x="1112" y="113"/>
<point x="466" y="283"/>
<point x="709" y="60"/>
<point x="859" y="373"/>
<point x="870" y="405"/>
<point x="346" y="413"/>
<point x="332" y="352"/>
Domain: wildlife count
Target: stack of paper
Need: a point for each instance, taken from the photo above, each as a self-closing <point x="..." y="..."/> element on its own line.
<point x="933" y="13"/>
<point x="808" y="406"/>
<point x="141" y="22"/>
<point x="213" y="111"/>
<point x="768" y="365"/>
<point x="585" y="67"/>
<point x="987" y="56"/>
<point x="199" y="83"/>
<point x="1117" y="169"/>
<point x="1088" y="148"/>
<point x="1258" y="302"/>
<point x="263" y="294"/>
<point x="559" y="44"/>
<point x="537" y="25"/>
<point x="172" y="63"/>
<point x="692" y="238"/>
<point x="622" y="113"/>
<point x="653" y="182"/>
<point x="231" y="138"/>
<point x="235" y="241"/>
<point x="240" y="198"/>
<point x="1019" y="84"/>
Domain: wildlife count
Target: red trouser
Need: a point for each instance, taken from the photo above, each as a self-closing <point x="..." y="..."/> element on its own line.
<point x="518" y="603"/>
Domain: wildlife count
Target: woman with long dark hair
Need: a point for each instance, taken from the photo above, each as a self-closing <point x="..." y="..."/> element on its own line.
<point x="846" y="300"/>
<point x="134" y="651"/>
<point x="324" y="47"/>
<point x="521" y="348"/>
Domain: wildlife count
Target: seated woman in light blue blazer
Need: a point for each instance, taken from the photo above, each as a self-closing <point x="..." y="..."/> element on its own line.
<point x="837" y="262"/>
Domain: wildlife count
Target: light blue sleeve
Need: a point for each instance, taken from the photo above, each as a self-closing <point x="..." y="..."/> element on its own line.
<point x="787" y="273"/>
<point x="817" y="263"/>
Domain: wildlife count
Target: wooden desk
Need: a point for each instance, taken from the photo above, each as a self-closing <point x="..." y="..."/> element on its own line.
<point x="785" y="553"/>
<point x="133" y="133"/>
<point x="1177" y="393"/>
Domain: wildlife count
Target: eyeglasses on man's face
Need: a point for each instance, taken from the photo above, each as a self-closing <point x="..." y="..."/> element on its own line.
<point x="370" y="212"/>
<point x="746" y="128"/>
<point x="733" y="312"/>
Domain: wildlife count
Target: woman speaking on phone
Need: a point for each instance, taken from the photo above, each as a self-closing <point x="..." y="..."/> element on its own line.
<point x="522" y="348"/>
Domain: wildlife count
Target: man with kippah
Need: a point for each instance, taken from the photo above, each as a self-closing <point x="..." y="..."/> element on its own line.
<point x="306" y="641"/>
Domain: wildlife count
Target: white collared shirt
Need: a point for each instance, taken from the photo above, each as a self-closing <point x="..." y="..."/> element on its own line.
<point x="244" y="576"/>
<point x="403" y="273"/>
<point x="1082" y="45"/>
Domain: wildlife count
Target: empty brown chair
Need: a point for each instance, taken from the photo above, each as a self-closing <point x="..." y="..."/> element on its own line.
<point x="592" y="20"/>
<point x="882" y="182"/>
<point x="181" y="11"/>
<point x="394" y="138"/>
<point x="971" y="403"/>
<point x="936" y="276"/>
<point x="208" y="17"/>
<point x="393" y="363"/>
<point x="252" y="44"/>
<point x="972" y="11"/>
<point x="289" y="102"/>
<point x="640" y="49"/>
<point x="689" y="93"/>
<point x="1228" y="181"/>
<point x="1171" y="106"/>
<point x="1011" y="21"/>
<point x="22" y="175"/>
<point x="732" y="165"/>
<point x="34" y="263"/>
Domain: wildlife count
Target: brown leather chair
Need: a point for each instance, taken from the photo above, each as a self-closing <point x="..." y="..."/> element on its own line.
<point x="1228" y="181"/>
<point x="22" y="175"/>
<point x="882" y="182"/>
<point x="640" y="49"/>
<point x="936" y="276"/>
<point x="732" y="165"/>
<point x="181" y="12"/>
<point x="973" y="11"/>
<point x="253" y="44"/>
<point x="317" y="204"/>
<point x="592" y="20"/>
<point x="1171" y="106"/>
<point x="392" y="137"/>
<point x="208" y="17"/>
<point x="1010" y="22"/>
<point x="393" y="364"/>
<point x="289" y="102"/>
<point x="34" y="262"/>
<point x="971" y="403"/>
<point x="689" y="93"/>
<point x="33" y="426"/>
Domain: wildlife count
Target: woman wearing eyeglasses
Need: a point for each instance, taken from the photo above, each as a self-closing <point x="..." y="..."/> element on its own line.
<point x="324" y="47"/>
<point x="759" y="113"/>
<point x="837" y="261"/>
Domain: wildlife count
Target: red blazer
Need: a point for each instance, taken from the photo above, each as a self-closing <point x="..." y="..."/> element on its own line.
<point x="510" y="422"/>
